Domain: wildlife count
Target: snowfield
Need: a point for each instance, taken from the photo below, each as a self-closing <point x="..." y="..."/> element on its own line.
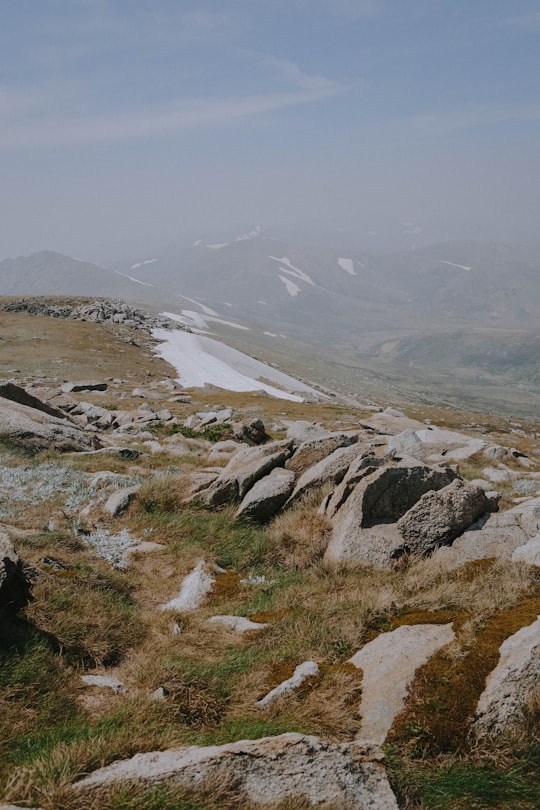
<point x="202" y="361"/>
<point x="292" y="288"/>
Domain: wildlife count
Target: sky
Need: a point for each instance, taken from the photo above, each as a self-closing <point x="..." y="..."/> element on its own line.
<point x="125" y="124"/>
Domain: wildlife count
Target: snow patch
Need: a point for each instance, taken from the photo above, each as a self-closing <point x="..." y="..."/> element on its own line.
<point x="289" y="268"/>
<point x="205" y="309"/>
<point x="453" y="264"/>
<point x="347" y="265"/>
<point x="132" y="278"/>
<point x="218" y="245"/>
<point x="292" y="288"/>
<point x="202" y="361"/>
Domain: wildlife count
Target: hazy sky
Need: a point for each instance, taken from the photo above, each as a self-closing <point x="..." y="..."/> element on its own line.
<point x="124" y="123"/>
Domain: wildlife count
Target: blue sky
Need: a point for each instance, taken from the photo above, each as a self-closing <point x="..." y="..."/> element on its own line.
<point x="125" y="123"/>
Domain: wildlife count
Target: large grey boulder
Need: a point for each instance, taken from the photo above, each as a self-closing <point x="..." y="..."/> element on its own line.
<point x="389" y="663"/>
<point x="14" y="584"/>
<point x="493" y="536"/>
<point x="33" y="429"/>
<point x="265" y="771"/>
<point x="438" y="517"/>
<point x="364" y="530"/>
<point x="513" y="681"/>
<point x="244" y="469"/>
<point x="267" y="496"/>
<point x="329" y="470"/>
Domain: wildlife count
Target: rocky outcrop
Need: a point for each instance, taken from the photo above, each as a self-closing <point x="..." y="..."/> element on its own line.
<point x="267" y="496"/>
<point x="245" y="468"/>
<point x="388" y="664"/>
<point x="438" y="517"/>
<point x="364" y="521"/>
<point x="310" y="453"/>
<point x="251" y="431"/>
<point x="98" y="311"/>
<point x="15" y="587"/>
<point x="265" y="771"/>
<point x="511" y="684"/>
<point x="32" y="429"/>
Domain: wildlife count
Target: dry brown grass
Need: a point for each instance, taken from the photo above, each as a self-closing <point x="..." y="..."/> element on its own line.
<point x="300" y="535"/>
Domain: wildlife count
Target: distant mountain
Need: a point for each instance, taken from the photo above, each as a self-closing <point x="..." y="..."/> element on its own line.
<point x="51" y="273"/>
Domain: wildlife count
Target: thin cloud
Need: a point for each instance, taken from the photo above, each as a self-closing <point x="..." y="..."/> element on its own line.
<point x="291" y="73"/>
<point x="148" y="123"/>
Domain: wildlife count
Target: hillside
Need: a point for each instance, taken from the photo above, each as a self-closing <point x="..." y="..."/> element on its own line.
<point x="455" y="321"/>
<point x="215" y="598"/>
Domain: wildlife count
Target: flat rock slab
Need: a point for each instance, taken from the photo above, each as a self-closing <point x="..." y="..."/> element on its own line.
<point x="389" y="663"/>
<point x="266" y="771"/>
<point x="267" y="496"/>
<point x="512" y="682"/>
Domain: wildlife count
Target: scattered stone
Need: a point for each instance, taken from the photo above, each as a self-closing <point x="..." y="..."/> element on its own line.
<point x="438" y="517"/>
<point x="267" y="496"/>
<point x="194" y="589"/>
<point x="388" y="664"/>
<point x="237" y="623"/>
<point x="309" y="669"/>
<point x="265" y="771"/>
<point x="510" y="685"/>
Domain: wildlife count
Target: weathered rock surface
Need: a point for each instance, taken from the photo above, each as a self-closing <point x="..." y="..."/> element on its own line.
<point x="32" y="429"/>
<point x="264" y="771"/>
<point x="17" y="394"/>
<point x="509" y="687"/>
<point x="252" y="431"/>
<point x="267" y="496"/>
<point x="438" y="517"/>
<point x="310" y="453"/>
<point x="329" y="470"/>
<point x="363" y="527"/>
<point x="244" y="469"/>
<point x="388" y="664"/>
<point x="497" y="535"/>
<point x="528" y="553"/>
<point x="84" y="385"/>
<point x="15" y="587"/>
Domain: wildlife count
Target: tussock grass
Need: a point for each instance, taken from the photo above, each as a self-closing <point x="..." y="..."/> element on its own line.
<point x="300" y="535"/>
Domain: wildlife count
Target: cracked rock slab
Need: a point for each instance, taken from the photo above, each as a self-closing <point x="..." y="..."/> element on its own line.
<point x="389" y="663"/>
<point x="272" y="769"/>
